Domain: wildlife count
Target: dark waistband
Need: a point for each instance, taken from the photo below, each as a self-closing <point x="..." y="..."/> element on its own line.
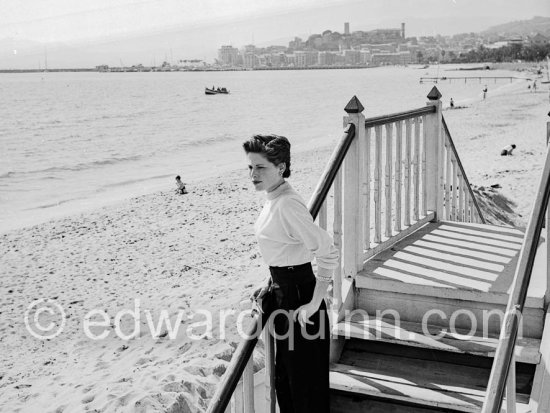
<point x="294" y="274"/>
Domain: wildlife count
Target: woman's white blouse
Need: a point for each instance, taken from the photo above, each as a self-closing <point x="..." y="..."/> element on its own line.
<point x="287" y="234"/>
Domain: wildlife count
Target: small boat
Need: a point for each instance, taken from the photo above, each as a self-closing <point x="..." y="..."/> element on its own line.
<point x="217" y="91"/>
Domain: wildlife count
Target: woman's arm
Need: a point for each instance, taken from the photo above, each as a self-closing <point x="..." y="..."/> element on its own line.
<point x="304" y="312"/>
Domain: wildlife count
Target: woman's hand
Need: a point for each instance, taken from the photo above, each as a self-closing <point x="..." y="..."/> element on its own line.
<point x="258" y="296"/>
<point x="304" y="312"/>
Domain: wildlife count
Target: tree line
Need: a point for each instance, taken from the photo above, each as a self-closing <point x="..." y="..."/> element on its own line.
<point x="510" y="53"/>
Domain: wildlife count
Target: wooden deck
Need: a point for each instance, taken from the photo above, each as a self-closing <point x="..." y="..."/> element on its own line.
<point x="474" y="262"/>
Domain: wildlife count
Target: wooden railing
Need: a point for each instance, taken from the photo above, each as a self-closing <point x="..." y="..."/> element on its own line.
<point x="387" y="177"/>
<point x="460" y="202"/>
<point x="503" y="373"/>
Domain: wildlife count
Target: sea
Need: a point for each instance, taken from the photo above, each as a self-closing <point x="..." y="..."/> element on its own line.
<point x="70" y="142"/>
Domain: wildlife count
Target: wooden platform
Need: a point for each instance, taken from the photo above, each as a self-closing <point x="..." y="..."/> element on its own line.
<point x="471" y="262"/>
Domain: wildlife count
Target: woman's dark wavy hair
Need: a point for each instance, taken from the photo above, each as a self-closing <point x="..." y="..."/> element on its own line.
<point x="274" y="147"/>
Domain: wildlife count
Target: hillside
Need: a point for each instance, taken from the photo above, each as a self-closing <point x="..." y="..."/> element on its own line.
<point x="535" y="25"/>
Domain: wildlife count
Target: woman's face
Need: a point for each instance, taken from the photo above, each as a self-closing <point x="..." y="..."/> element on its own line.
<point x="264" y="175"/>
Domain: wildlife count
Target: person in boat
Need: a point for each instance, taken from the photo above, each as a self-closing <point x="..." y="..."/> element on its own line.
<point x="288" y="240"/>
<point x="180" y="186"/>
<point x="507" y="150"/>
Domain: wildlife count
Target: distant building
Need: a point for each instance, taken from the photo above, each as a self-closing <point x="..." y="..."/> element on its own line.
<point x="399" y="58"/>
<point x="306" y="58"/>
<point x="250" y="60"/>
<point x="346" y="29"/>
<point x="352" y="57"/>
<point x="228" y="55"/>
<point x="539" y="39"/>
<point x="327" y="58"/>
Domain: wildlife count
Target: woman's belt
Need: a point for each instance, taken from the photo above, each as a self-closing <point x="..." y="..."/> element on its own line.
<point x="293" y="274"/>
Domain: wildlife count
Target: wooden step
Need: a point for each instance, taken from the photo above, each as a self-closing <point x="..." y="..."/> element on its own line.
<point x="419" y="382"/>
<point x="483" y="318"/>
<point x="360" y="325"/>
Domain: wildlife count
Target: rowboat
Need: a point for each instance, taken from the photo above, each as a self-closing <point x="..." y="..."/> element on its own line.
<point x="223" y="91"/>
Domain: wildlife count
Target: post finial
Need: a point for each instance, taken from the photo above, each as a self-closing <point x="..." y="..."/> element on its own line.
<point x="434" y="94"/>
<point x="354" y="106"/>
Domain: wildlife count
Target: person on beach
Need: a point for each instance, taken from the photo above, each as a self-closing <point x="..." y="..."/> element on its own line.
<point x="485" y="92"/>
<point x="452" y="103"/>
<point x="507" y="150"/>
<point x="288" y="240"/>
<point x="180" y="185"/>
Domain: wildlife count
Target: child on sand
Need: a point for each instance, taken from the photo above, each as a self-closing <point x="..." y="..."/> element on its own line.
<point x="181" y="186"/>
<point x="507" y="150"/>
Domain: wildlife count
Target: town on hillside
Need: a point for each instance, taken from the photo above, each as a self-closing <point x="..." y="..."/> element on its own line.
<point x="390" y="46"/>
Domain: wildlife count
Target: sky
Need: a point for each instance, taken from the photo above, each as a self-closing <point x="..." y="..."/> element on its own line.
<point x="76" y="33"/>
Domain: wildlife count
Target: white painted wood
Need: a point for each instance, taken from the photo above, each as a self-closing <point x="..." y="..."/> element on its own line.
<point x="461" y="192"/>
<point x="351" y="216"/>
<point x="388" y="242"/>
<point x="540" y="396"/>
<point x="415" y="307"/>
<point x="434" y="167"/>
<point x="416" y="163"/>
<point x="466" y="205"/>
<point x="337" y="237"/>
<point x="454" y="192"/>
<point x="448" y="181"/>
<point x="248" y="386"/>
<point x="378" y="185"/>
<point x="269" y="381"/>
<point x="407" y="208"/>
<point x="424" y="168"/>
<point x="359" y="324"/>
<point x="511" y="387"/>
<point x="388" y="181"/>
<point x="360" y="138"/>
<point x="322" y="217"/>
<point x="366" y="189"/>
<point x="398" y="163"/>
<point x="237" y="402"/>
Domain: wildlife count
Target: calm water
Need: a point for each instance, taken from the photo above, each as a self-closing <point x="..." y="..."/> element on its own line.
<point x="71" y="141"/>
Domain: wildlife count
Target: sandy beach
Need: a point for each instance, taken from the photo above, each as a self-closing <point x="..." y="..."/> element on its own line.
<point x="181" y="255"/>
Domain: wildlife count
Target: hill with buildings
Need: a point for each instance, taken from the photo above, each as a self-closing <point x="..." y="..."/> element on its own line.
<point x="530" y="27"/>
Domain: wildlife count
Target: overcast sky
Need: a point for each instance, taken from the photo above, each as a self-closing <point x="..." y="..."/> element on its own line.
<point x="209" y="23"/>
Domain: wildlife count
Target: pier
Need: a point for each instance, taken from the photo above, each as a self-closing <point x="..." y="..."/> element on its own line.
<point x="485" y="79"/>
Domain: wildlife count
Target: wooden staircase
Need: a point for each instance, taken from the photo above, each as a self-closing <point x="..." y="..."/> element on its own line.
<point x="432" y="309"/>
<point x="426" y="321"/>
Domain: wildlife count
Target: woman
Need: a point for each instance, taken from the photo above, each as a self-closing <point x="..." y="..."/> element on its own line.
<point x="288" y="240"/>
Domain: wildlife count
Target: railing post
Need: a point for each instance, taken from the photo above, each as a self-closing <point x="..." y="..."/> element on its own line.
<point x="547" y="295"/>
<point x="352" y="214"/>
<point x="434" y="156"/>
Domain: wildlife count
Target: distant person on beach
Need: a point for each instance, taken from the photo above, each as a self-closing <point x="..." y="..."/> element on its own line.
<point x="452" y="103"/>
<point x="485" y="92"/>
<point x="535" y="86"/>
<point x="181" y="186"/>
<point x="507" y="150"/>
<point x="288" y="240"/>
